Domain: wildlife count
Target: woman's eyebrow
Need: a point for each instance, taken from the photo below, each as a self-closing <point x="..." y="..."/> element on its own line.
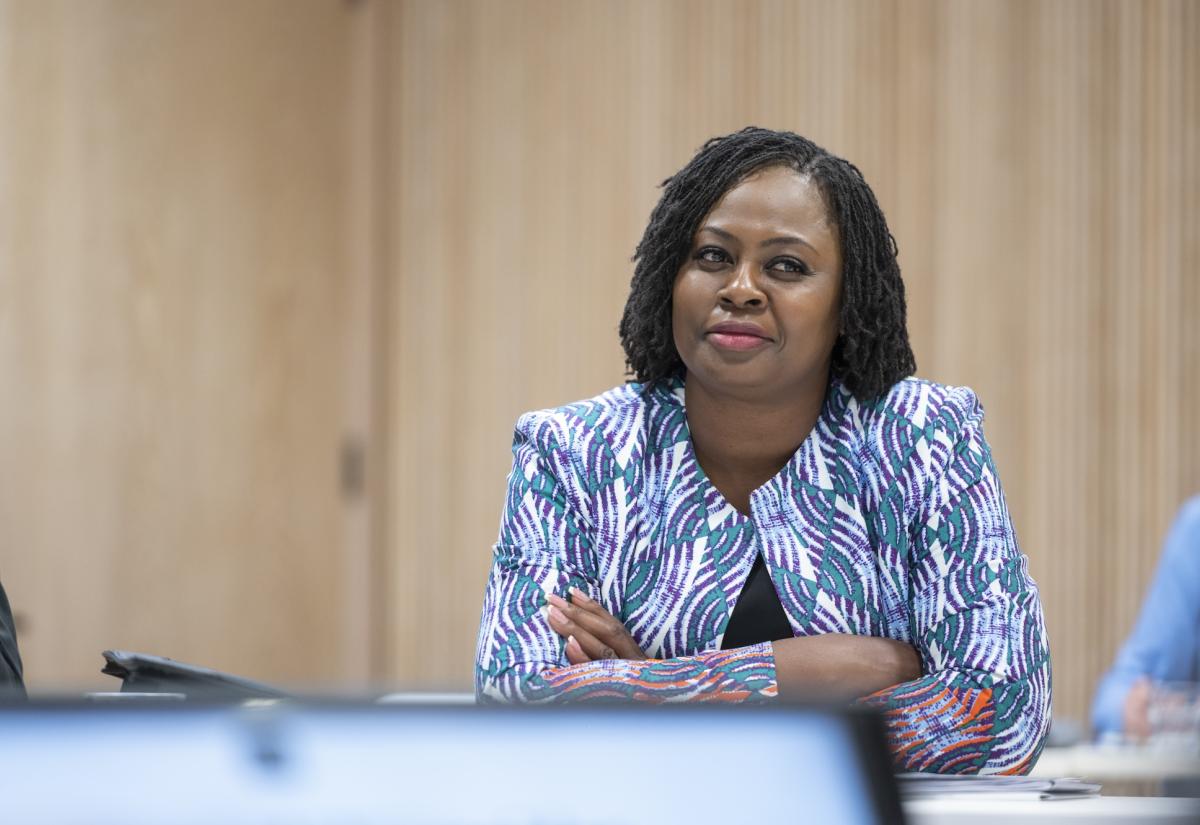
<point x="785" y="240"/>
<point x="781" y="240"/>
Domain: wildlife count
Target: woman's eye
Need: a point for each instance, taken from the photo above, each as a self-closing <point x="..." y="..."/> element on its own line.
<point x="789" y="265"/>
<point x="712" y="255"/>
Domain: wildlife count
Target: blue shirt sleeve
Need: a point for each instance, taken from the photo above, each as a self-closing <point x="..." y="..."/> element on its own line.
<point x="1165" y="641"/>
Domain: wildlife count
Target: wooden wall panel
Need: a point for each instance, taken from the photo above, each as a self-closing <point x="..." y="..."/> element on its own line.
<point x="177" y="298"/>
<point x="1037" y="162"/>
<point x="236" y="238"/>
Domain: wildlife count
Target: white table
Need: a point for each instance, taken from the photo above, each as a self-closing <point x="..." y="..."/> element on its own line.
<point x="1103" y="809"/>
<point x="1116" y="762"/>
<point x="426" y="698"/>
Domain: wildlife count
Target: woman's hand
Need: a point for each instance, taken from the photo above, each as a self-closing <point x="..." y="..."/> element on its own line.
<point x="592" y="633"/>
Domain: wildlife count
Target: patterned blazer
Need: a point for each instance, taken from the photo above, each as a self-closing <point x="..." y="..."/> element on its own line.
<point x="887" y="521"/>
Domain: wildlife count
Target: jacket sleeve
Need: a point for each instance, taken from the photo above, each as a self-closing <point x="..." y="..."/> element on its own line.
<point x="546" y="544"/>
<point x="983" y="705"/>
<point x="11" y="683"/>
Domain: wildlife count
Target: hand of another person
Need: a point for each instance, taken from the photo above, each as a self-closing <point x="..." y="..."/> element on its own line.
<point x="1136" y="713"/>
<point x="592" y="633"/>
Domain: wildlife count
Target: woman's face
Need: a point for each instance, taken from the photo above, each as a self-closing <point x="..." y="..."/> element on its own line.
<point x="756" y="303"/>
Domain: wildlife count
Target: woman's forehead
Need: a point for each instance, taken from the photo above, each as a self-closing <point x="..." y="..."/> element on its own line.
<point x="777" y="196"/>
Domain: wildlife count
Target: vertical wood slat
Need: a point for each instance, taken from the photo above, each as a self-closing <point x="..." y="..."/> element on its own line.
<point x="364" y="374"/>
<point x="1038" y="165"/>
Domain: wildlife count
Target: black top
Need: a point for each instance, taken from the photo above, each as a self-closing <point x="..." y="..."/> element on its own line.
<point x="758" y="616"/>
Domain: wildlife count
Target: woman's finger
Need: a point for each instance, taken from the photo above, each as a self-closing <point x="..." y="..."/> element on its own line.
<point x="595" y="649"/>
<point x="598" y="622"/>
<point x="605" y="623"/>
<point x="575" y="654"/>
<point x="566" y="627"/>
<point x="585" y="602"/>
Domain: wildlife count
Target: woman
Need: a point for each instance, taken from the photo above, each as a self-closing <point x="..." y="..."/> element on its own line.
<point x="774" y="508"/>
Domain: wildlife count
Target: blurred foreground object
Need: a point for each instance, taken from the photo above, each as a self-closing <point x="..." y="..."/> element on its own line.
<point x="1173" y="717"/>
<point x="302" y="763"/>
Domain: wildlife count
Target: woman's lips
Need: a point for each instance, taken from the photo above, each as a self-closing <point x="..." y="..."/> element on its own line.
<point x="740" y="341"/>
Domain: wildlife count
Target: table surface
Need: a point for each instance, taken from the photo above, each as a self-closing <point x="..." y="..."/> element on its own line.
<point x="1103" y="809"/>
<point x="1116" y="762"/>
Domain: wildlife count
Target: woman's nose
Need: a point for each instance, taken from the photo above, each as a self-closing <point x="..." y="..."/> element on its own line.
<point x="742" y="289"/>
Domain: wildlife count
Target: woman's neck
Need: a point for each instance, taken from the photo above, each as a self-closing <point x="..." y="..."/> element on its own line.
<point x="742" y="443"/>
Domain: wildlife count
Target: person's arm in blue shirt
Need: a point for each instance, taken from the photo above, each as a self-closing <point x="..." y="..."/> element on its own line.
<point x="1164" y="643"/>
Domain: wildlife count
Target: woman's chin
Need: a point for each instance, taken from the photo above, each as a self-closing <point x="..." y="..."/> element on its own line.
<point x="741" y="380"/>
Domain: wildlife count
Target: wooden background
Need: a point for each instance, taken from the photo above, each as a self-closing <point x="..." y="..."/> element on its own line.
<point x="175" y="329"/>
<point x="276" y="279"/>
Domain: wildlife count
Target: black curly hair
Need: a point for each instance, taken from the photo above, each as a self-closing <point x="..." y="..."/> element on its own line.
<point x="872" y="351"/>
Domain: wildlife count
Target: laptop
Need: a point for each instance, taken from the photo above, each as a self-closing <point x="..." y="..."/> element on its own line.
<point x="299" y="763"/>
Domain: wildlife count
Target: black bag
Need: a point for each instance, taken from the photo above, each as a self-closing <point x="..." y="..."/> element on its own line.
<point x="143" y="673"/>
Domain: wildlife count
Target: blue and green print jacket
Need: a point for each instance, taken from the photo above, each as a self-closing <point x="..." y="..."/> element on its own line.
<point x="888" y="521"/>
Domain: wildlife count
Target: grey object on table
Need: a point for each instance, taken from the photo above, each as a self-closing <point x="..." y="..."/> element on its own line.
<point x="145" y="673"/>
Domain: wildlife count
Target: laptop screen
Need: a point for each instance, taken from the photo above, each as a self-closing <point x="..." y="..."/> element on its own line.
<point x="368" y="764"/>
